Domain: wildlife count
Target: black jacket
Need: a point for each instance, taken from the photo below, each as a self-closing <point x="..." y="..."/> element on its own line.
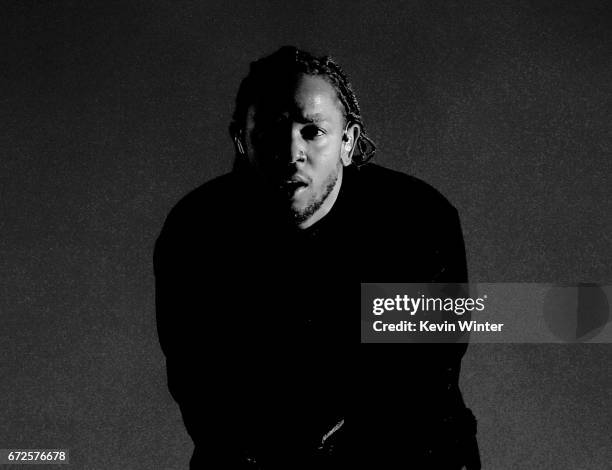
<point x="259" y="325"/>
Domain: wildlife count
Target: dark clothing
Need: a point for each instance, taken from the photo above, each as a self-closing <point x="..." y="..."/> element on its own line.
<point x="258" y="322"/>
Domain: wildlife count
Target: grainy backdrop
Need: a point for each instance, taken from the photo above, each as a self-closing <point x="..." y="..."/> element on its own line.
<point x="111" y="111"/>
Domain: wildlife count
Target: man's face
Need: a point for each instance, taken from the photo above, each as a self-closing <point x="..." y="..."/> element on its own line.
<point x="295" y="140"/>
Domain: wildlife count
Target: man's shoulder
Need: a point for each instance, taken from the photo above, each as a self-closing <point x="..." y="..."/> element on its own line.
<point x="210" y="193"/>
<point x="389" y="188"/>
<point x="202" y="209"/>
<point x="408" y="219"/>
<point x="209" y="198"/>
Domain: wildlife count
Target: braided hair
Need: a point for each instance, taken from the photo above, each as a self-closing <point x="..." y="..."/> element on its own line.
<point x="278" y="70"/>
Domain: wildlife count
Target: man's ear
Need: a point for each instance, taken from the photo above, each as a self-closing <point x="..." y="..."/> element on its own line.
<point x="349" y="142"/>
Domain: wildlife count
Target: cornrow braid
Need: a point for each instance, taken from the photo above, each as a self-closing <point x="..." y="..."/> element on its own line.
<point x="274" y="72"/>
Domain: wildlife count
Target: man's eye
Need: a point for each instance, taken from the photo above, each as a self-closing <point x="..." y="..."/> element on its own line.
<point x="311" y="132"/>
<point x="263" y="134"/>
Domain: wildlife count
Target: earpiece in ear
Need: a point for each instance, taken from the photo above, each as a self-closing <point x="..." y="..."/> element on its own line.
<point x="347" y="145"/>
<point x="239" y="146"/>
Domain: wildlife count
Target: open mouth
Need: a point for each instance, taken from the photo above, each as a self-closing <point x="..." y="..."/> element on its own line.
<point x="293" y="186"/>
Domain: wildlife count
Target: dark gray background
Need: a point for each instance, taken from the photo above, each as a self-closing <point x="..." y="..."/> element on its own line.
<point x="111" y="111"/>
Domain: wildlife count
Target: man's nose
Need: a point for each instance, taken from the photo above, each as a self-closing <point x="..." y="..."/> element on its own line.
<point x="297" y="148"/>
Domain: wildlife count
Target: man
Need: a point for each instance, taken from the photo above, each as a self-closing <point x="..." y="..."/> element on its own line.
<point x="257" y="286"/>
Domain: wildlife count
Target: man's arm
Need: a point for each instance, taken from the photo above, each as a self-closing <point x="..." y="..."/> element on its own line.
<point x="449" y="250"/>
<point x="189" y="296"/>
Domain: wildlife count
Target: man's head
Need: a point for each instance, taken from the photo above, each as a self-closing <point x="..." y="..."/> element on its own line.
<point x="297" y="122"/>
